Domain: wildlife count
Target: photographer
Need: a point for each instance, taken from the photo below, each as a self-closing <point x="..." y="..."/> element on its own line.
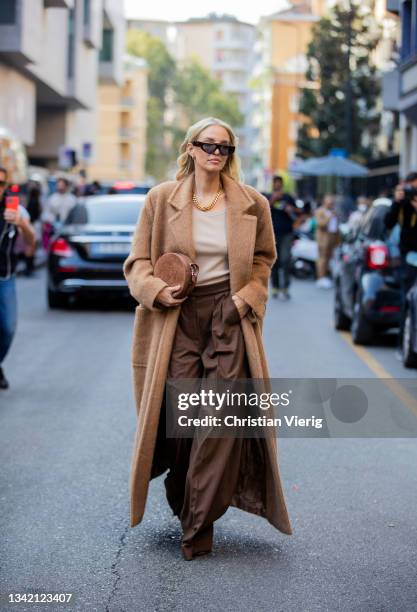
<point x="14" y="219"/>
<point x="404" y="212"/>
<point x="283" y="213"/>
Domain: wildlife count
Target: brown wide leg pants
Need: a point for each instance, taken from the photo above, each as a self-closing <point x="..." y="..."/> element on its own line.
<point x="203" y="471"/>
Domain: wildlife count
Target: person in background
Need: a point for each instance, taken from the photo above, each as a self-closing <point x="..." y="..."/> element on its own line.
<point x="307" y="223"/>
<point x="283" y="213"/>
<point x="59" y="204"/>
<point x="327" y="236"/>
<point x="403" y="211"/>
<point x="56" y="210"/>
<point x="80" y="187"/>
<point x="12" y="223"/>
<point x="344" y="206"/>
<point x="34" y="208"/>
<point x="355" y="217"/>
<point x="93" y="188"/>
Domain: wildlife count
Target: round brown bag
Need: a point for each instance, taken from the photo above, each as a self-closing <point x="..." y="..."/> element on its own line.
<point x="177" y="269"/>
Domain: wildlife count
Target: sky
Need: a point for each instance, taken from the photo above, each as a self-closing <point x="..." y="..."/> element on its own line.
<point x="180" y="10"/>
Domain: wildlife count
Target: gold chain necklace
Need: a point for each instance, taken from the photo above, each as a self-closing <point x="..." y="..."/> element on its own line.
<point x="209" y="206"/>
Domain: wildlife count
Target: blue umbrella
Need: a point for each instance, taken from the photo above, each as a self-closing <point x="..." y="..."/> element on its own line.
<point x="331" y="166"/>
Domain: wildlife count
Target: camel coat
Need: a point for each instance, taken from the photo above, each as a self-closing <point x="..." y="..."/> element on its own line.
<point x="165" y="225"/>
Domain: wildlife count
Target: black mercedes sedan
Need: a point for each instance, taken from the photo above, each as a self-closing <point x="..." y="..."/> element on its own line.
<point x="87" y="252"/>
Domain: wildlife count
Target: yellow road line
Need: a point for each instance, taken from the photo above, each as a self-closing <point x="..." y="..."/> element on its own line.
<point x="380" y="372"/>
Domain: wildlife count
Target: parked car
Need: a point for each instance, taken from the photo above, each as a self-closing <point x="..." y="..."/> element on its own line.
<point x="120" y="187"/>
<point x="409" y="351"/>
<point x="86" y="254"/>
<point x="366" y="276"/>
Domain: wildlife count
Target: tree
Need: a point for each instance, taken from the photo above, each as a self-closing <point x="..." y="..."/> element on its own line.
<point x="199" y="95"/>
<point x="189" y="92"/>
<point x="340" y="105"/>
<point x="161" y="76"/>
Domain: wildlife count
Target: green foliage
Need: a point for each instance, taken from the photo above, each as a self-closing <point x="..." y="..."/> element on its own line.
<point x="161" y="76"/>
<point x="192" y="91"/>
<point x="162" y="68"/>
<point x="199" y="95"/>
<point x="340" y="68"/>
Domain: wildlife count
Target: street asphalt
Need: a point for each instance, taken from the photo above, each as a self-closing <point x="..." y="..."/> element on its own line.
<point x="67" y="425"/>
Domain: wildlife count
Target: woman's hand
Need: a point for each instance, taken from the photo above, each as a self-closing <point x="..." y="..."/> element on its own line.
<point x="12" y="216"/>
<point x="241" y="305"/>
<point x="166" y="298"/>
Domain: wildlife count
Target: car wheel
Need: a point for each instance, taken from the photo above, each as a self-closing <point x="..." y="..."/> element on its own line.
<point x="341" y="321"/>
<point x="409" y="356"/>
<point x="362" y="331"/>
<point x="57" y="300"/>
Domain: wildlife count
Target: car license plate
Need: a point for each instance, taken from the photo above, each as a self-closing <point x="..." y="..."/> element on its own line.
<point x="110" y="248"/>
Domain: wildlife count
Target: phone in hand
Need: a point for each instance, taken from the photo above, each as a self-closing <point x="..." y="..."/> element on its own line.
<point x="12" y="202"/>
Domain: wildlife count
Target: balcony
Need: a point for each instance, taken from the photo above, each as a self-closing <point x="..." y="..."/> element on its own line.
<point x="107" y="71"/>
<point x="126" y="133"/>
<point x="58" y="3"/>
<point x="232" y="65"/>
<point x="127" y="102"/>
<point x="125" y="164"/>
<point x="14" y="44"/>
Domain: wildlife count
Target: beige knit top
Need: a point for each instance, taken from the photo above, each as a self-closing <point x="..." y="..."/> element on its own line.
<point x="210" y="240"/>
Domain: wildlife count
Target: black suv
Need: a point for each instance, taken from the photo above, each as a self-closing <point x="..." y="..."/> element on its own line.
<point x="367" y="295"/>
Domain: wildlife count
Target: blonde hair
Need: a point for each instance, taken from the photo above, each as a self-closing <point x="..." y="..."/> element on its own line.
<point x="185" y="162"/>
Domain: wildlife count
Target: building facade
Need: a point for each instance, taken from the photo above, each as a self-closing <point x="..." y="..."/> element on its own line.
<point x="121" y="134"/>
<point x="51" y="53"/>
<point x="408" y="85"/>
<point x="225" y="46"/>
<point x="282" y="44"/>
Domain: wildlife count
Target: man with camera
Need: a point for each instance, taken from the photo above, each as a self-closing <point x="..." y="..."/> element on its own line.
<point x="14" y="219"/>
<point x="404" y="212"/>
<point x="283" y="213"/>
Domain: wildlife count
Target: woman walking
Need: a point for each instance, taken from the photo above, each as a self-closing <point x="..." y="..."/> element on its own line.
<point x="215" y="333"/>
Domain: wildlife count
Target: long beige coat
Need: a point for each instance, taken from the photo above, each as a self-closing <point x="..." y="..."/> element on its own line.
<point x="165" y="225"/>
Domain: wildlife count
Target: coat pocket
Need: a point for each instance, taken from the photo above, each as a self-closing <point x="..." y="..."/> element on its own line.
<point x="142" y="334"/>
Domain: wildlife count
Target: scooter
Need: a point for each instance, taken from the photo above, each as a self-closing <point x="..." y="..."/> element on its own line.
<point x="304" y="254"/>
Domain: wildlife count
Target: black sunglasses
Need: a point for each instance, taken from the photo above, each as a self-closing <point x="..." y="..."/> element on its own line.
<point x="211" y="147"/>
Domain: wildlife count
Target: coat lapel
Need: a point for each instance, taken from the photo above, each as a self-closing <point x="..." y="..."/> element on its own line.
<point x="241" y="232"/>
<point x="241" y="226"/>
<point x="180" y="223"/>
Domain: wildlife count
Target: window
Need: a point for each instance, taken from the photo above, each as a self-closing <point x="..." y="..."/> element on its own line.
<point x="293" y="130"/>
<point x="7" y="12"/>
<point x="106" y="51"/>
<point x="407" y="44"/>
<point x="87" y="12"/>
<point x="71" y="43"/>
<point x="294" y="103"/>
